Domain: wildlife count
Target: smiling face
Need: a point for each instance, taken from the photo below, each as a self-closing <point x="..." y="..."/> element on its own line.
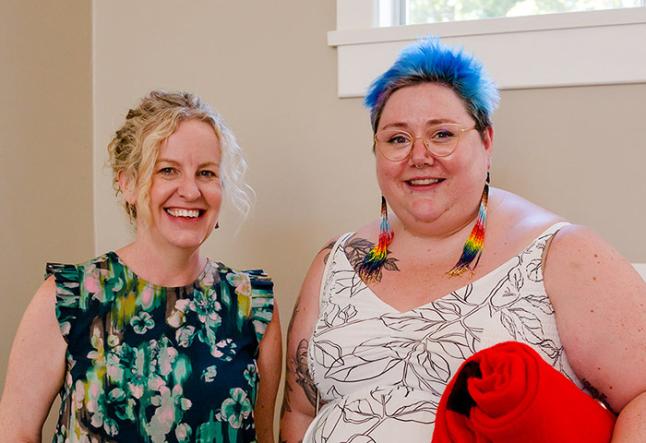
<point x="433" y="194"/>
<point x="185" y="192"/>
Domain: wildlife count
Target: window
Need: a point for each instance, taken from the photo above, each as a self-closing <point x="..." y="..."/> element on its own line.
<point x="413" y="12"/>
<point x="559" y="49"/>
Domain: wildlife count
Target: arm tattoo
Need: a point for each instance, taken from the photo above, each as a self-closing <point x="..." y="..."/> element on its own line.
<point x="302" y="372"/>
<point x="356" y="250"/>
<point x="286" y="406"/>
<point x="597" y="395"/>
<point x="298" y="366"/>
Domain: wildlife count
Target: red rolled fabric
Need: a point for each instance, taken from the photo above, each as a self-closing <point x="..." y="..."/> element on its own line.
<point x="508" y="394"/>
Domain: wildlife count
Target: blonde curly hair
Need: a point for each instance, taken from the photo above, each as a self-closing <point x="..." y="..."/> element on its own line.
<point x="135" y="147"/>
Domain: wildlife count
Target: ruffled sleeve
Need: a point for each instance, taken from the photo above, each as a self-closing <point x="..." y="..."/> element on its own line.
<point x="262" y="301"/>
<point x="68" y="296"/>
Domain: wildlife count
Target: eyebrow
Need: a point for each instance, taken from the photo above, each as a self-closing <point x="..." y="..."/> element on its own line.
<point x="175" y="163"/>
<point x="433" y="121"/>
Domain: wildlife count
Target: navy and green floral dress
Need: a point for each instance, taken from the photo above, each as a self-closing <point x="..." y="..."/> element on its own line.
<point x="147" y="363"/>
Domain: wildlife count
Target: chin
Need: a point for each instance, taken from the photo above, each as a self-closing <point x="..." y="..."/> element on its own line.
<point x="189" y="245"/>
<point x="424" y="212"/>
<point x="185" y="240"/>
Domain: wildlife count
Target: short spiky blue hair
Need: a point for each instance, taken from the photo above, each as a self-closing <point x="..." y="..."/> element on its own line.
<point x="428" y="60"/>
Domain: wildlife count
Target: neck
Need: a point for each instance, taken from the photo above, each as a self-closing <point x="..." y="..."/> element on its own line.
<point x="163" y="265"/>
<point x="446" y="239"/>
<point x="434" y="232"/>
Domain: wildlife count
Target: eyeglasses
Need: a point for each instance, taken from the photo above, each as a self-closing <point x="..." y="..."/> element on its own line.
<point x="440" y="140"/>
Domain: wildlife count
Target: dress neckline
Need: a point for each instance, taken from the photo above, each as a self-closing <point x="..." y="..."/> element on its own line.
<point x="549" y="230"/>
<point x="205" y="271"/>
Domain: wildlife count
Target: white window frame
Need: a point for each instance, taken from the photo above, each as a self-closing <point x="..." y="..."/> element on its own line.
<point x="568" y="49"/>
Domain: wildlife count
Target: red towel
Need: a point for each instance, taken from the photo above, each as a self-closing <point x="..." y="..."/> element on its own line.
<point x="508" y="394"/>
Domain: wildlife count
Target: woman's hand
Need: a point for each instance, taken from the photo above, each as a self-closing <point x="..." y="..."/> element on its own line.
<point x="300" y="395"/>
<point x="36" y="370"/>
<point x="600" y="305"/>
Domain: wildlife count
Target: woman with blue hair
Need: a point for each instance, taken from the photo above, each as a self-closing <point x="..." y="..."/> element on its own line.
<point x="388" y="313"/>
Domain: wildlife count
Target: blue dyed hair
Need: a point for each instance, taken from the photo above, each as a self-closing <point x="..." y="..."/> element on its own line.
<point x="430" y="61"/>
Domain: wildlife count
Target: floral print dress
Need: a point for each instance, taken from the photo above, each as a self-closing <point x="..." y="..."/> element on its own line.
<point x="381" y="372"/>
<point x="147" y="363"/>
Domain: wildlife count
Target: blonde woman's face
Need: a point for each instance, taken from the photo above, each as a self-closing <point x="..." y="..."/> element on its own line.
<point x="186" y="191"/>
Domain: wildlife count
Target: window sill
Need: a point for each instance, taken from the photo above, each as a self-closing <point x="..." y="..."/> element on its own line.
<point x="572" y="49"/>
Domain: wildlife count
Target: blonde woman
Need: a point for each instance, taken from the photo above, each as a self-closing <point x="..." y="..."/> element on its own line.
<point x="154" y="342"/>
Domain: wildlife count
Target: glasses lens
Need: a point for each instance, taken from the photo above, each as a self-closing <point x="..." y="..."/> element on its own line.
<point x="393" y="144"/>
<point x="442" y="139"/>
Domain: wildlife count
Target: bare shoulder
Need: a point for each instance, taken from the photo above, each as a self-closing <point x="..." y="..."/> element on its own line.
<point x="580" y="248"/>
<point x="324" y="253"/>
<point x="45" y="297"/>
<point x="580" y="260"/>
<point x="307" y="302"/>
<point x="40" y="316"/>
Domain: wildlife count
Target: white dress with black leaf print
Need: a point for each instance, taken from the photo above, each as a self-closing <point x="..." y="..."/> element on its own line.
<point x="380" y="372"/>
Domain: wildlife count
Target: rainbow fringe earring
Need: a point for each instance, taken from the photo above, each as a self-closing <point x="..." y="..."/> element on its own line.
<point x="473" y="246"/>
<point x="370" y="268"/>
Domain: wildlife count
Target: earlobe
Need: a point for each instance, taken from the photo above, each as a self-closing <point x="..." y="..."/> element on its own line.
<point x="487" y="141"/>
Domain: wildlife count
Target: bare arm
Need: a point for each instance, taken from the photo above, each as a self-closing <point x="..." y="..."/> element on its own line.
<point x="36" y="370"/>
<point x="600" y="304"/>
<point x="631" y="424"/>
<point x="269" y="368"/>
<point x="300" y="396"/>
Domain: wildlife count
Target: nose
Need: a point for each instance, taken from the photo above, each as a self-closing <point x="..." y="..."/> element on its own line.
<point x="188" y="188"/>
<point x="419" y="154"/>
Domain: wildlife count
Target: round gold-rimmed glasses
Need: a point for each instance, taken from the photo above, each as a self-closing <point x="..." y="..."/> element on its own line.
<point x="440" y="140"/>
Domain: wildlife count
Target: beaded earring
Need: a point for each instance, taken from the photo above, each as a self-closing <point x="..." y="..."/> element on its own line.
<point x="473" y="246"/>
<point x="375" y="259"/>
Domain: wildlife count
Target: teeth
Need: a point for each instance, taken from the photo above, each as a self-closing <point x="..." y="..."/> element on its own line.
<point x="192" y="213"/>
<point x="424" y="181"/>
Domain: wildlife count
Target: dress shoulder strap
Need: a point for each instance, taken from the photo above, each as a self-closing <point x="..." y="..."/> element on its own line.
<point x="553" y="229"/>
<point x="541" y="243"/>
<point x="326" y="279"/>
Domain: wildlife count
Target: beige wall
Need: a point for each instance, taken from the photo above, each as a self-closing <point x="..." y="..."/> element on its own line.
<point x="45" y="148"/>
<point x="267" y="69"/>
<point x="581" y="153"/>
